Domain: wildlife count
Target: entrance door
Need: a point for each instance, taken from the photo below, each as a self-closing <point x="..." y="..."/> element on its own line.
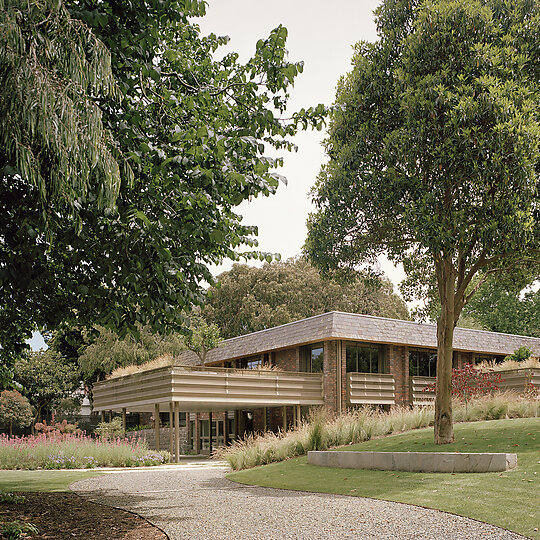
<point x="218" y="438"/>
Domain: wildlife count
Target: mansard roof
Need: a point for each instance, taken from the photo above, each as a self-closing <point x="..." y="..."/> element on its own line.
<point x="365" y="328"/>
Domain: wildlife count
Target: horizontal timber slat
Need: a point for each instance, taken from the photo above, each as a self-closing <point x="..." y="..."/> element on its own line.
<point x="211" y="387"/>
<point x="370" y="388"/>
<point x="418" y="396"/>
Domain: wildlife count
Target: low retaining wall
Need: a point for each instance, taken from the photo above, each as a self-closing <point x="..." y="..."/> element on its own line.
<point x="415" y="461"/>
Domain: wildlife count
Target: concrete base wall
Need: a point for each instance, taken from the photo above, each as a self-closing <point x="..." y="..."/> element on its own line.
<point x="415" y="461"/>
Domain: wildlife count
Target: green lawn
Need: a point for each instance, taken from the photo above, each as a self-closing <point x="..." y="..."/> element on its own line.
<point x="41" y="480"/>
<point x="510" y="499"/>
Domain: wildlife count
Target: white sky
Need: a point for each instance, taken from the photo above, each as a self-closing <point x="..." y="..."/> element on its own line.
<point x="322" y="36"/>
<point x="323" y="39"/>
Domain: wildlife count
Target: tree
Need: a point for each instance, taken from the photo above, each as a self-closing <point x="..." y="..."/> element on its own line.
<point x="203" y="337"/>
<point x="54" y="152"/>
<point x="520" y="355"/>
<point x="248" y="299"/>
<point x="507" y="310"/>
<point x="433" y="156"/>
<point x="15" y="410"/>
<point x="51" y="133"/>
<point x="45" y="379"/>
<point x="193" y="131"/>
<point x="106" y="351"/>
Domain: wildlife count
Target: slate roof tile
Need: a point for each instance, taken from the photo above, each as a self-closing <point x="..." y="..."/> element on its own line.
<point x="358" y="327"/>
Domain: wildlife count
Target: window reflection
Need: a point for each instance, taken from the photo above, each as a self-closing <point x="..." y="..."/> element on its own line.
<point x="253" y="362"/>
<point x="317" y="360"/>
<point x="422" y="363"/>
<point x="312" y="358"/>
<point x="362" y="358"/>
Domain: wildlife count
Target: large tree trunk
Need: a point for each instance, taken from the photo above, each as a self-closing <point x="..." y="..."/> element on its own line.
<point x="444" y="430"/>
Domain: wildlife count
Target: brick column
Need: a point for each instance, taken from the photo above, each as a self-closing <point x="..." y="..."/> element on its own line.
<point x="344" y="389"/>
<point x="462" y="358"/>
<point x="398" y="357"/>
<point x="330" y="386"/>
<point x="258" y="420"/>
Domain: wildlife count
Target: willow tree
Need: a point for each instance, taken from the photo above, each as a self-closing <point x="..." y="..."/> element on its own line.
<point x="434" y="155"/>
<point x="51" y="132"/>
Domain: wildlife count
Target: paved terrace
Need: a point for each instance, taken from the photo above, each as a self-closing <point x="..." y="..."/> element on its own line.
<point x="355" y="327"/>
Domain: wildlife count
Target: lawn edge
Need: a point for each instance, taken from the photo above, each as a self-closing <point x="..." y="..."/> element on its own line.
<point x="372" y="498"/>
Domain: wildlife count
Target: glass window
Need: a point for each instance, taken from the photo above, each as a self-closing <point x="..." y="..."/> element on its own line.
<point x="312" y="358"/>
<point x="252" y="362"/>
<point x="317" y="360"/>
<point x="203" y="428"/>
<point x="422" y="362"/>
<point x="362" y="358"/>
<point x="491" y="358"/>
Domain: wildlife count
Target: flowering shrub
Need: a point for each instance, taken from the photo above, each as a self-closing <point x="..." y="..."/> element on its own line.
<point x="55" y="450"/>
<point x="469" y="382"/>
<point x="54" y="428"/>
<point x="531" y="391"/>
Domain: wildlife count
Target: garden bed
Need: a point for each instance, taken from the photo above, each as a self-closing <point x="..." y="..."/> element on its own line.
<point x="66" y="515"/>
<point x="75" y="451"/>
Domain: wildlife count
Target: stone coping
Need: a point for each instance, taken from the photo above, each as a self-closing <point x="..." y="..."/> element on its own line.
<point x="447" y="462"/>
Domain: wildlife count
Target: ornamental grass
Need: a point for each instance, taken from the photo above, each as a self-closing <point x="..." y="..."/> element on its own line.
<point x="321" y="431"/>
<point x="74" y="451"/>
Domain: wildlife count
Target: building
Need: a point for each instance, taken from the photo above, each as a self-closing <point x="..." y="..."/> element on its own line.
<point x="269" y="379"/>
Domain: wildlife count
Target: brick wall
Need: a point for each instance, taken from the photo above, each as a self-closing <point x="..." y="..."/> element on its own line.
<point x="258" y="420"/>
<point x="398" y="360"/>
<point x="330" y="375"/>
<point x="344" y="403"/>
<point x="288" y="359"/>
<point x="462" y="358"/>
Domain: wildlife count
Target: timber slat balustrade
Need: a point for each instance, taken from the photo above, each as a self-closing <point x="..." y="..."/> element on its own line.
<point x="217" y="386"/>
<point x="418" y="395"/>
<point x="513" y="380"/>
<point x="517" y="380"/>
<point x="370" y="388"/>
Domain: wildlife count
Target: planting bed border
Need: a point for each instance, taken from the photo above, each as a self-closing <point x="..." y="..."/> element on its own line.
<point x="445" y="462"/>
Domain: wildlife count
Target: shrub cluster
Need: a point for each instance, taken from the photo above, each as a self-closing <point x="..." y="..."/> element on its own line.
<point x="61" y="427"/>
<point x="13" y="530"/>
<point x="321" y="432"/>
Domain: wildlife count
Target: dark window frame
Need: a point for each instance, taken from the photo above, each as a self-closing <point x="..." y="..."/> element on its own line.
<point x="422" y="362"/>
<point x="310" y="362"/>
<point x="353" y="352"/>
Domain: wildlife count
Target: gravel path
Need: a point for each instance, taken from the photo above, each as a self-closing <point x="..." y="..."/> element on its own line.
<point x="195" y="501"/>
